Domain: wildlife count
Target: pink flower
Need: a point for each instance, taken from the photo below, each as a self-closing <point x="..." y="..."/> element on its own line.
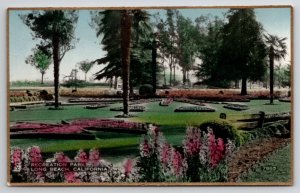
<point x="70" y="177"/>
<point x="177" y="163"/>
<point x="16" y="156"/>
<point x="61" y="157"/>
<point x="192" y="142"/>
<point x="165" y="154"/>
<point x="128" y="166"/>
<point x="35" y="154"/>
<point x="81" y="157"/>
<point x="94" y="156"/>
<point x="145" y="148"/>
<point x="216" y="149"/>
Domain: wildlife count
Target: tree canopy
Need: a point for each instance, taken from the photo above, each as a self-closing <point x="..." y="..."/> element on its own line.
<point x="56" y="31"/>
<point x="40" y="60"/>
<point x="243" y="50"/>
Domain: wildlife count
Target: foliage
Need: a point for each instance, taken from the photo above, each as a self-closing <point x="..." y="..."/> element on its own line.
<point x="224" y="131"/>
<point x="271" y="130"/>
<point x="276" y="49"/>
<point x="104" y="22"/>
<point x="55" y="29"/>
<point x="40" y="60"/>
<point x="158" y="162"/>
<point x="85" y="66"/>
<point x="209" y="52"/>
<point x="202" y="158"/>
<point x="186" y="45"/>
<point x="243" y="51"/>
<point x="146" y="90"/>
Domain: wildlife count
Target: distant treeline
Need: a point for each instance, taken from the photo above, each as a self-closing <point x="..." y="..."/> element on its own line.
<point x="27" y="83"/>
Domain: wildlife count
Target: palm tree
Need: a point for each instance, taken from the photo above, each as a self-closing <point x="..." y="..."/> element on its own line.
<point x="126" y="22"/>
<point x="131" y="35"/>
<point x="276" y="49"/>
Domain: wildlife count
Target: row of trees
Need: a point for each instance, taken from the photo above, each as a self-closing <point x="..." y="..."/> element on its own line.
<point x="228" y="51"/>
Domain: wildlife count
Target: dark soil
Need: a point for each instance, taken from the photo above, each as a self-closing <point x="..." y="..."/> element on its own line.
<point x="252" y="153"/>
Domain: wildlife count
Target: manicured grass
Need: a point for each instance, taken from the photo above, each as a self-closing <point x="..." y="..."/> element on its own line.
<point x="172" y="124"/>
<point x="276" y="168"/>
<point x="112" y="149"/>
<point x="42" y="114"/>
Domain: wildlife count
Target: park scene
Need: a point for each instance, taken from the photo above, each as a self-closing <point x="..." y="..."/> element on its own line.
<point x="122" y="96"/>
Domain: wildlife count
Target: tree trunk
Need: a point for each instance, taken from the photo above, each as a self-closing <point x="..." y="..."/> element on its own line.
<point x="85" y="77"/>
<point x="244" y="86"/>
<point x="165" y="78"/>
<point x="154" y="64"/>
<point x="183" y="76"/>
<point x="116" y="82"/>
<point x="271" y="58"/>
<point x="236" y="84"/>
<point x="130" y="87"/>
<point x="174" y="79"/>
<point x="125" y="44"/>
<point x="170" y="66"/>
<point x="110" y="83"/>
<point x="55" y="47"/>
<point x="42" y="81"/>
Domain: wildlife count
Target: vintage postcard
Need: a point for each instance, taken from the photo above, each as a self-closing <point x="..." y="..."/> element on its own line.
<point x="150" y="96"/>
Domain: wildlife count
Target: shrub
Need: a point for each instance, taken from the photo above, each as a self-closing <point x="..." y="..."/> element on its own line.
<point x="146" y="90"/>
<point x="12" y="99"/>
<point x="224" y="130"/>
<point x="272" y="130"/>
<point x="43" y="93"/>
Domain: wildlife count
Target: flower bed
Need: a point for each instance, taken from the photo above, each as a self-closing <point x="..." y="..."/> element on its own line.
<point x="20" y="99"/>
<point x="78" y="129"/>
<point x="112" y="125"/>
<point x="131" y="108"/>
<point x="96" y="106"/>
<point x="190" y="101"/>
<point x="229" y="95"/>
<point x="236" y="107"/>
<point x="203" y="158"/>
<point x="287" y="100"/>
<point x="89" y="100"/>
<point x="165" y="102"/>
<point x="194" y="109"/>
<point x="141" y="101"/>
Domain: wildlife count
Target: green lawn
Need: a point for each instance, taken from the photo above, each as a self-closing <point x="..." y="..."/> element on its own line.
<point x="277" y="168"/>
<point x="172" y="124"/>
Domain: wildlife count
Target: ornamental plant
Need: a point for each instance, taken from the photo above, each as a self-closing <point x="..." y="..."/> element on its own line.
<point x="203" y="157"/>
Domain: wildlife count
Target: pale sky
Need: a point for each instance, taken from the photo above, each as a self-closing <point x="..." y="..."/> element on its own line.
<point x="275" y="21"/>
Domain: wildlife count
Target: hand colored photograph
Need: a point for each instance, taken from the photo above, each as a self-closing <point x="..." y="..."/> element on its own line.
<point x="172" y="96"/>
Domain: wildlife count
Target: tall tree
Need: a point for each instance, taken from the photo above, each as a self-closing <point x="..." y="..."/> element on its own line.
<point x="56" y="28"/>
<point x="276" y="49"/>
<point x="40" y="60"/>
<point x="171" y="46"/>
<point x="126" y="22"/>
<point x="186" y="45"/>
<point x="243" y="51"/>
<point x="209" y="51"/>
<point x="85" y="66"/>
<point x="104" y="23"/>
